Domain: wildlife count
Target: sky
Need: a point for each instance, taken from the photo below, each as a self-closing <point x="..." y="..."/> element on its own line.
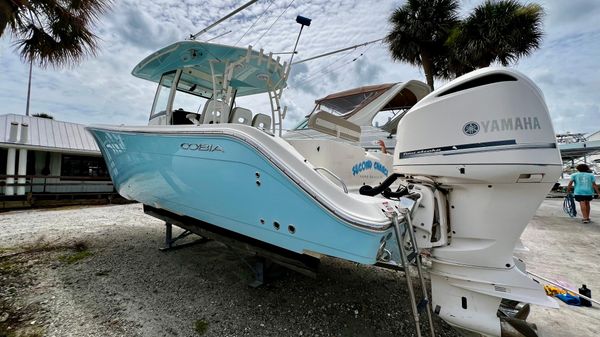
<point x="102" y="90"/>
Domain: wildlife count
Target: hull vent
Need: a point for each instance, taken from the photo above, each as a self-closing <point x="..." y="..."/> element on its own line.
<point x="477" y="82"/>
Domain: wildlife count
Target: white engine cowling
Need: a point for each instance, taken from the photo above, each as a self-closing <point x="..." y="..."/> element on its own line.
<point x="487" y="139"/>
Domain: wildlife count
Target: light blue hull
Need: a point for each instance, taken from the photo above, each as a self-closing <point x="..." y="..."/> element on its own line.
<point x="231" y="185"/>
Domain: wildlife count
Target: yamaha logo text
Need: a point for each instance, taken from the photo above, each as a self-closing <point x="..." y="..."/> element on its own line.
<point x="505" y="124"/>
<point x="471" y="128"/>
<point x="201" y="147"/>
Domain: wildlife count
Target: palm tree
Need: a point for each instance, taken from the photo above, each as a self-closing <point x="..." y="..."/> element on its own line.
<point x="55" y="32"/>
<point x="43" y="115"/>
<point x="419" y="33"/>
<point x="496" y="31"/>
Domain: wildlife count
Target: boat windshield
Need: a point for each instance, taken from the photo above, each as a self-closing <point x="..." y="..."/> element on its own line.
<point x="161" y="99"/>
<point x="302" y="125"/>
<point x="342" y="105"/>
<point x="189" y="96"/>
<point x="346" y="102"/>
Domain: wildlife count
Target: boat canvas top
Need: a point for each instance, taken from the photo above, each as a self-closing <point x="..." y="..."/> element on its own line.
<point x="353" y="99"/>
<point x="364" y="105"/>
<point x="206" y="63"/>
<point x="360" y="105"/>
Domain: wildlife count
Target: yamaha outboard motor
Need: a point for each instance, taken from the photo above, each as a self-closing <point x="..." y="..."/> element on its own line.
<point x="483" y="144"/>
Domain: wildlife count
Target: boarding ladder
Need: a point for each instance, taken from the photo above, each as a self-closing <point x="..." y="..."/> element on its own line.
<point x="276" y="112"/>
<point x="401" y="230"/>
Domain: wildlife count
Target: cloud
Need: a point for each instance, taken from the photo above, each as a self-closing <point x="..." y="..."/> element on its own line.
<point x="102" y="90"/>
<point x="367" y="72"/>
<point x="135" y="27"/>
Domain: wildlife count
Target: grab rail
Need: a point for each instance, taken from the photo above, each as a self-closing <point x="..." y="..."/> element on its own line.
<point x="333" y="175"/>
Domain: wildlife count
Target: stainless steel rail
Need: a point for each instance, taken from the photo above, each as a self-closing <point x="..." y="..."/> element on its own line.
<point x="335" y="176"/>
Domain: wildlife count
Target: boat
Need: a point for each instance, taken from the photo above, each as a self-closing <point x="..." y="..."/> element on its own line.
<point x="473" y="161"/>
<point x="375" y="109"/>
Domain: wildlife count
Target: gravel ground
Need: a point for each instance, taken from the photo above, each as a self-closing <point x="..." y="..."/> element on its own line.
<point x="96" y="271"/>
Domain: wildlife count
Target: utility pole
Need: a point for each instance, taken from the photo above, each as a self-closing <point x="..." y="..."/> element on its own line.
<point x="29" y="88"/>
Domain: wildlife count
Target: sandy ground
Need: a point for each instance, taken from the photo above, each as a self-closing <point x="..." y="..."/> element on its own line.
<point x="564" y="249"/>
<point x="126" y="287"/>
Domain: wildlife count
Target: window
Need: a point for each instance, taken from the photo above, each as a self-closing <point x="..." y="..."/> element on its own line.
<point x="162" y="95"/>
<point x="302" y="125"/>
<point x="31" y="162"/>
<point x="344" y="104"/>
<point x="382" y="118"/>
<point x="184" y="100"/>
<point x="83" y="166"/>
<point x="3" y="157"/>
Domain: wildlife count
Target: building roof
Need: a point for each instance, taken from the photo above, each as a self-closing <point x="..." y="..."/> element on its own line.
<point x="48" y="135"/>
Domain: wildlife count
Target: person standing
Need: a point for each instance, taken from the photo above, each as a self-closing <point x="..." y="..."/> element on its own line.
<point x="382" y="146"/>
<point x="585" y="185"/>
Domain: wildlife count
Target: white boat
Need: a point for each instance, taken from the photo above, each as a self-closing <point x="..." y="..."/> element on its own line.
<point x="373" y="110"/>
<point x="472" y="163"/>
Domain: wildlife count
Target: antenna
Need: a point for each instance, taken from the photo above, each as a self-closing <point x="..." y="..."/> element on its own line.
<point x="303" y="22"/>
<point x="194" y="36"/>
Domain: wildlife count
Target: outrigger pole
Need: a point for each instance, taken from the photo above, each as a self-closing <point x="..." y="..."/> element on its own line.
<point x="194" y="36"/>
<point x="218" y="36"/>
<point x="338" y="51"/>
<point x="303" y="22"/>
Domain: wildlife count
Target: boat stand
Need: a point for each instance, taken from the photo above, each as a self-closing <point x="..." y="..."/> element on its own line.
<point x="413" y="257"/>
<point x="259" y="273"/>
<point x="262" y="269"/>
<point x="265" y="257"/>
<point x="170" y="241"/>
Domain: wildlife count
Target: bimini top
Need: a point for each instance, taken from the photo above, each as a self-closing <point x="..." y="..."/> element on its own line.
<point x="348" y="102"/>
<point x="253" y="72"/>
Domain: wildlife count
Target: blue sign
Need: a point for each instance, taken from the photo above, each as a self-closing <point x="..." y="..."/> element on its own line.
<point x="368" y="165"/>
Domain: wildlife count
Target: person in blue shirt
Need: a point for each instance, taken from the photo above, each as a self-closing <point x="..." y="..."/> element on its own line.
<point x="585" y="184"/>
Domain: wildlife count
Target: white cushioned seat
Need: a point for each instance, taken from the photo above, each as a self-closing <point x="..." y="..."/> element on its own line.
<point x="261" y="121"/>
<point x="215" y="112"/>
<point x="241" y="116"/>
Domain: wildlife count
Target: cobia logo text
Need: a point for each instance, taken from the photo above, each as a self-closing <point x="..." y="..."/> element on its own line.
<point x="201" y="147"/>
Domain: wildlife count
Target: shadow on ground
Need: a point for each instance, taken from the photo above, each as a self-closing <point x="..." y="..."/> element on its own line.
<point x="127" y="286"/>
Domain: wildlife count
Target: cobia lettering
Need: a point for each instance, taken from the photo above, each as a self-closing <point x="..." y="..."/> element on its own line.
<point x="201" y="147"/>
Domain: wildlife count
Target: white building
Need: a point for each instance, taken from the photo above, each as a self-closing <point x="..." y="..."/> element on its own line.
<point x="41" y="158"/>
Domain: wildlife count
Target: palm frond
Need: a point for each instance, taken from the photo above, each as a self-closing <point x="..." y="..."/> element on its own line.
<point x="53" y="32"/>
<point x="419" y="31"/>
<point x="498" y="31"/>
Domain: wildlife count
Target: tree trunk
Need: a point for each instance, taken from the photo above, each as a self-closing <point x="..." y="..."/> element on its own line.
<point x="427" y="63"/>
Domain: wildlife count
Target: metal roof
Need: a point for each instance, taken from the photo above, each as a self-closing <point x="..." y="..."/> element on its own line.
<point x="48" y="135"/>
